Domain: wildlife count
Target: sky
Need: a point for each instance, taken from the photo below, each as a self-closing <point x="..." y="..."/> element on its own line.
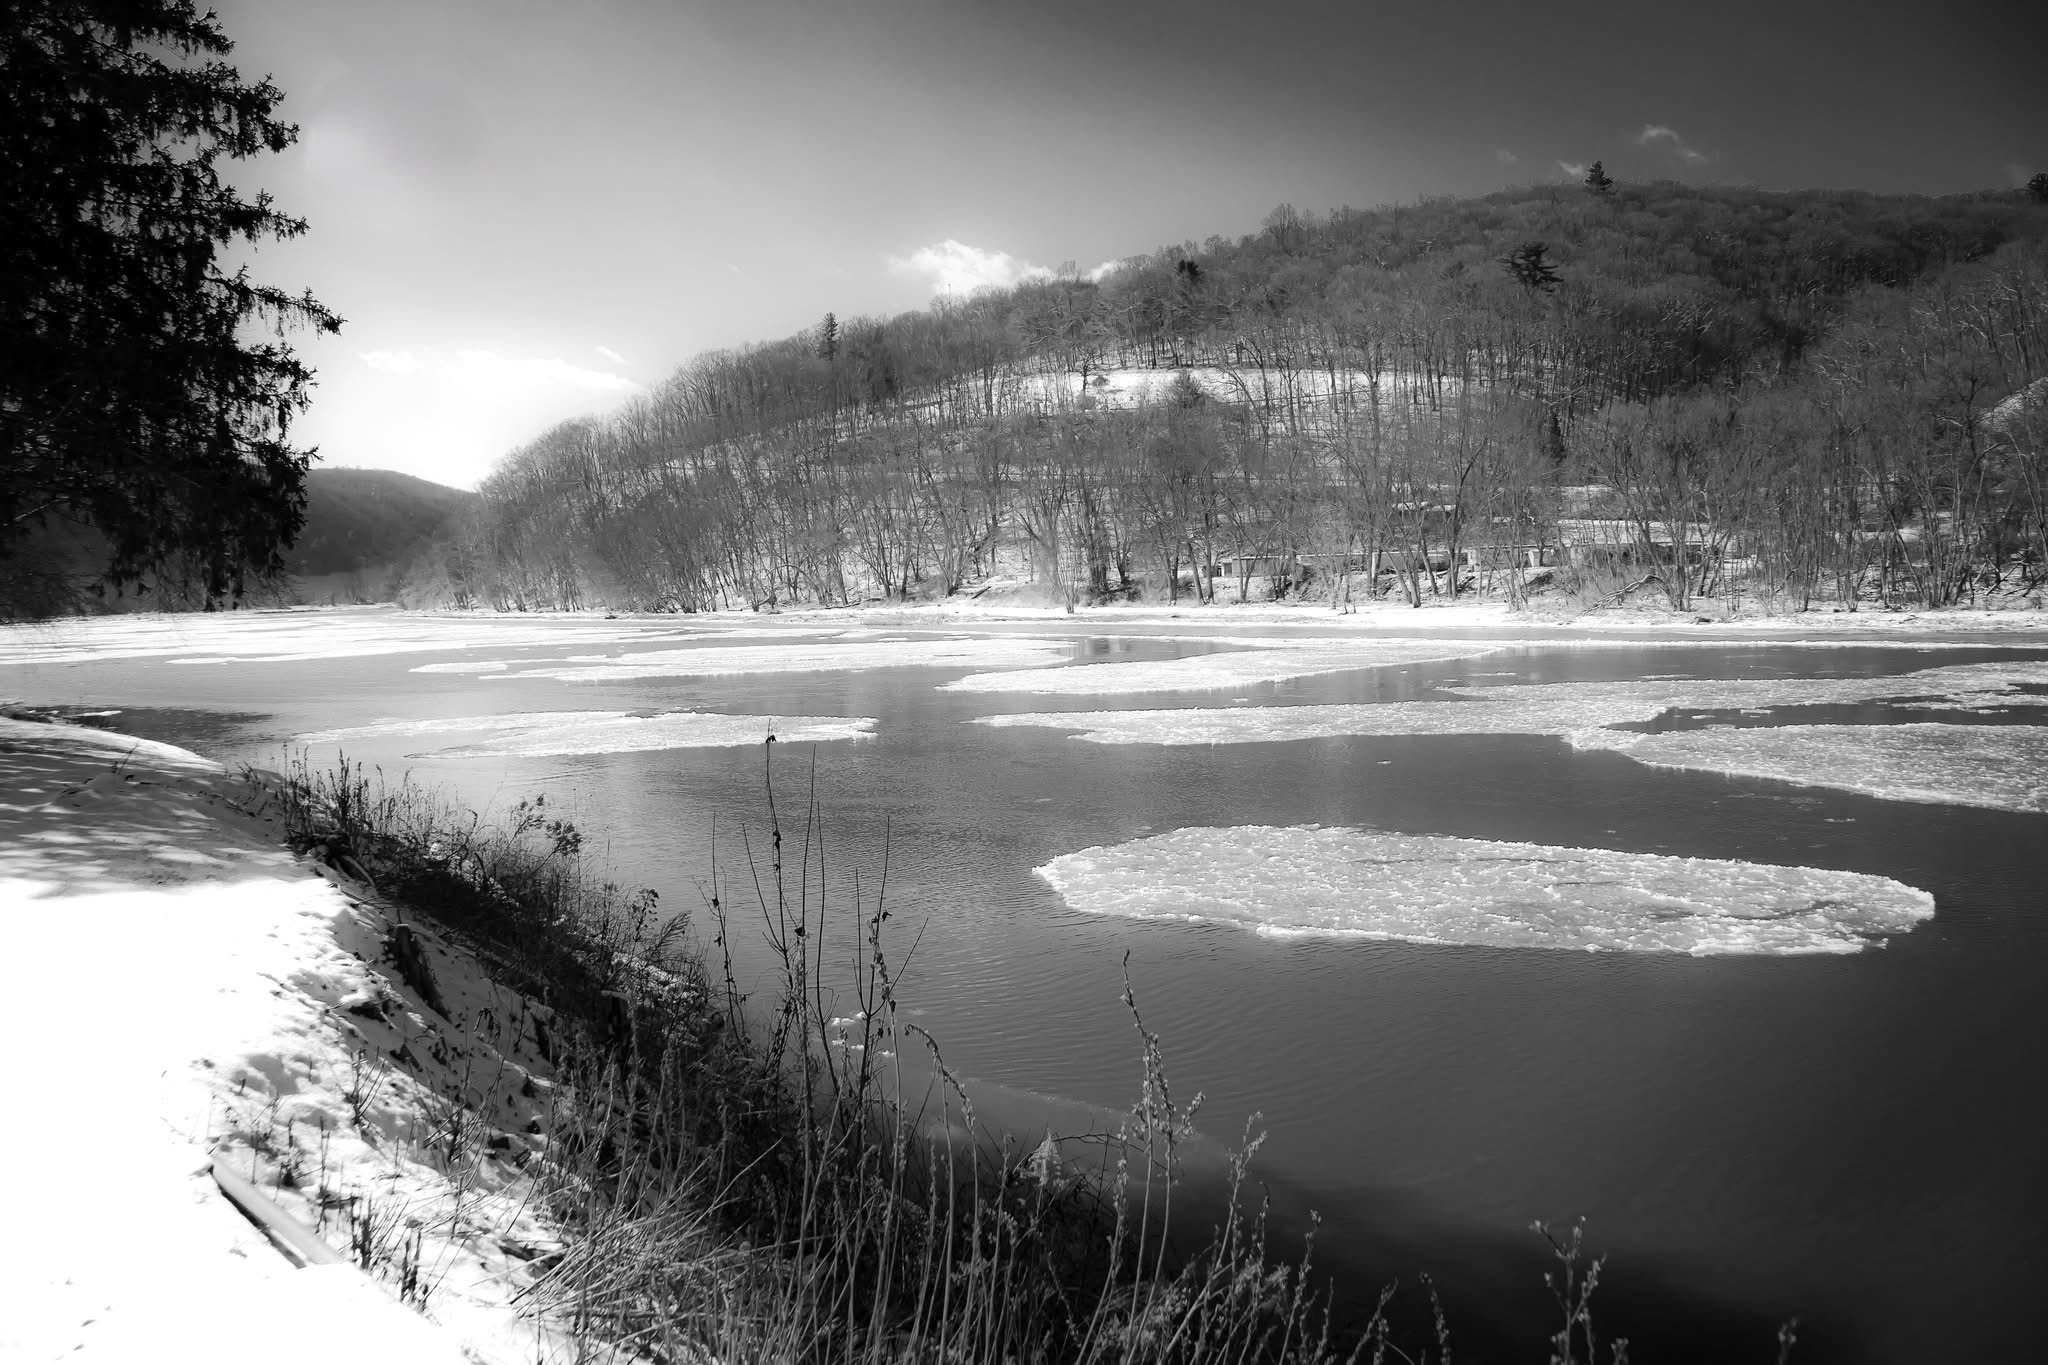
<point x="528" y="212"/>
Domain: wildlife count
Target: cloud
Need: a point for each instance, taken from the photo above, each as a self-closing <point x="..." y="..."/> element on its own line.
<point x="487" y="370"/>
<point x="609" y="354"/>
<point x="1575" y="169"/>
<point x="1504" y="156"/>
<point x="1657" y="132"/>
<point x="956" y="268"/>
<point x="2018" y="174"/>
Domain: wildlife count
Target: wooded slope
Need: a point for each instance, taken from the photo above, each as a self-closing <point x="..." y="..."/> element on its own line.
<point x="1788" y="395"/>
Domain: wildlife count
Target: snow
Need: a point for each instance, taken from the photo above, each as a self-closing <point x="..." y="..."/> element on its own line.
<point x="465" y="666"/>
<point x="730" y="660"/>
<point x="1275" y="661"/>
<point x="1974" y="765"/>
<point x="538" y="734"/>
<point x="230" y="638"/>
<point x="1125" y="388"/>
<point x="276" y="637"/>
<point x="1313" y="880"/>
<point x="2004" y="767"/>
<point x="1537" y="708"/>
<point x="186" y="992"/>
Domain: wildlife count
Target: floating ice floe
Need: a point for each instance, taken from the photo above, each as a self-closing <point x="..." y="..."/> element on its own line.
<point x="1533" y="709"/>
<point x="1977" y="765"/>
<point x="2004" y="767"/>
<point x="466" y="666"/>
<point x="1311" y="880"/>
<point x="811" y="657"/>
<point x="1271" y="661"/>
<point x="283" y="637"/>
<point x="540" y="734"/>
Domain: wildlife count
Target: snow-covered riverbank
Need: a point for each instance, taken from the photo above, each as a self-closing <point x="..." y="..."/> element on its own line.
<point x="1465" y="615"/>
<point x="187" y="995"/>
<point x="228" y="638"/>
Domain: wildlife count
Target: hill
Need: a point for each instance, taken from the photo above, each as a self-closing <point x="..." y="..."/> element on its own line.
<point x="367" y="532"/>
<point x="358" y="519"/>
<point x="1694" y="391"/>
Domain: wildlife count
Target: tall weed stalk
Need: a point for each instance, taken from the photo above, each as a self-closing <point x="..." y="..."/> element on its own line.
<point x="745" y="1183"/>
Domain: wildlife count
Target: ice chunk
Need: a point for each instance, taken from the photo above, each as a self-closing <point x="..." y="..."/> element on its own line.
<point x="1273" y="661"/>
<point x="2000" y="766"/>
<point x="1530" y="708"/>
<point x="540" y="734"/>
<point x="812" y="657"/>
<point x="465" y="666"/>
<point x="508" y="720"/>
<point x="1436" y="889"/>
<point x="293" y="636"/>
<point x="1248" y="724"/>
<point x="1644" y="698"/>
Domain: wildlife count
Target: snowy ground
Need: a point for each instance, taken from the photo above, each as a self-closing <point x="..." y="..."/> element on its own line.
<point x="1466" y="616"/>
<point x="186" y="995"/>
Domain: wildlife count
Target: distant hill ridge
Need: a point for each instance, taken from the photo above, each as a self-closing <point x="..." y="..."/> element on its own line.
<point x="1355" y="401"/>
<point x="363" y="519"/>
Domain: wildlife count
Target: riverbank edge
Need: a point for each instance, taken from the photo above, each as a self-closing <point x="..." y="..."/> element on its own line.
<point x="370" y="1106"/>
<point x="1462" y="617"/>
<point x="302" y="1078"/>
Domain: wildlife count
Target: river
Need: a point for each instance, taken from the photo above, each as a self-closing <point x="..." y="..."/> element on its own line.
<point x="1853" y="1138"/>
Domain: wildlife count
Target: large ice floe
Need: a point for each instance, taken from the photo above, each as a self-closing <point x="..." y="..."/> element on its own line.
<point x="281" y="637"/>
<point x="2004" y="767"/>
<point x="540" y="734"/>
<point x="1540" y="708"/>
<point x="1271" y="660"/>
<point x="1314" y="880"/>
<point x="719" y="661"/>
<point x="1995" y="766"/>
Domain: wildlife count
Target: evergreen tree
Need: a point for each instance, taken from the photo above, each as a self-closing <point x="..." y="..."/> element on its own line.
<point x="134" y="399"/>
<point x="828" y="338"/>
<point x="1599" y="181"/>
<point x="1531" y="267"/>
<point x="2038" y="187"/>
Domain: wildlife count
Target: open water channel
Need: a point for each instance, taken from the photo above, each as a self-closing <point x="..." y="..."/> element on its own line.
<point x="1839" y="1118"/>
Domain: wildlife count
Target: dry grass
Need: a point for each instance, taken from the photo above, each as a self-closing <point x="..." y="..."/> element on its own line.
<point x="758" y="1185"/>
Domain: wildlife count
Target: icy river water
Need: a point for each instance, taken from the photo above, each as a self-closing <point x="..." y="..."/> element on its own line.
<point x="1390" y="895"/>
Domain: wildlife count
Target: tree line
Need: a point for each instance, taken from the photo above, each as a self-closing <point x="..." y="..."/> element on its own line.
<point x="1813" y="396"/>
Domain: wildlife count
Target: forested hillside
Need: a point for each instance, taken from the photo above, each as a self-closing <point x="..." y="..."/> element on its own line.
<point x="1799" y="397"/>
<point x="358" y="519"/>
